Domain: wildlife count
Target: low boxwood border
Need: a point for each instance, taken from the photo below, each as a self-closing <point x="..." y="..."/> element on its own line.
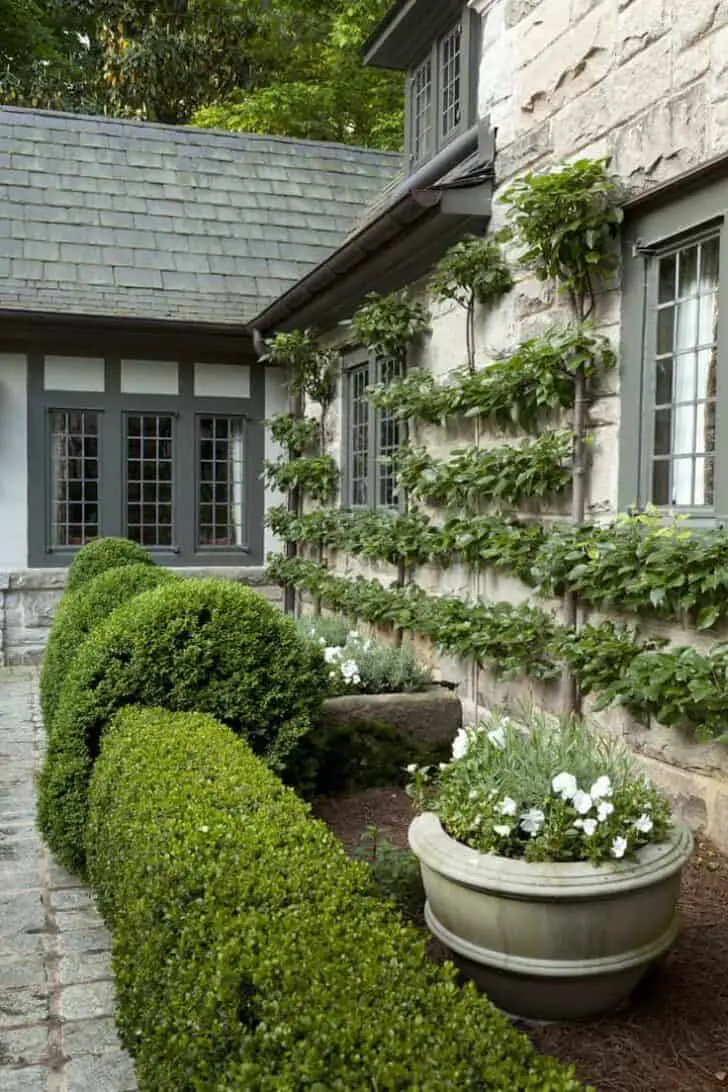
<point x="251" y="953"/>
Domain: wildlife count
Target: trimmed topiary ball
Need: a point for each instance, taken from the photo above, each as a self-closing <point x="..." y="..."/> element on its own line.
<point x="103" y="554"/>
<point x="205" y="645"/>
<point x="79" y="613"/>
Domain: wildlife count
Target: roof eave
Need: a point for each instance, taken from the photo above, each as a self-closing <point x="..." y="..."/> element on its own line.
<point x="411" y="26"/>
<point x="424" y="217"/>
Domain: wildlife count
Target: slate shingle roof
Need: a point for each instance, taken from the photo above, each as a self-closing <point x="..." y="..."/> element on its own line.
<point x="121" y="218"/>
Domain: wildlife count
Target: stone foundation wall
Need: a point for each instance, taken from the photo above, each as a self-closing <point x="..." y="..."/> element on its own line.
<point x="28" y="601"/>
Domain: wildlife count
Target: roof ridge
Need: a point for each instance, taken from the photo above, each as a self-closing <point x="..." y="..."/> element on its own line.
<point x="204" y="135"/>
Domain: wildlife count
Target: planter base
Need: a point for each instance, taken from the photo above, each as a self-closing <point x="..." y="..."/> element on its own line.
<point x="551" y="940"/>
<point x="535" y="990"/>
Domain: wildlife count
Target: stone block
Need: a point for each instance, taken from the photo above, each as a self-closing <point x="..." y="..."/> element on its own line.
<point x="667" y="139"/>
<point x="38" y="579"/>
<point x="627" y="91"/>
<point x="23" y="1046"/>
<point x="640" y="23"/>
<point x="539" y="29"/>
<point x="101" y="1073"/>
<point x="431" y="717"/>
<point x="85" y="967"/>
<point x="23" y="1005"/>
<point x="570" y="66"/>
<point x="89" y="1036"/>
<point x="91" y="938"/>
<point x="698" y="19"/>
<point x="87" y="1001"/>
<point x="33" y="1079"/>
<point x="518" y="10"/>
<point x="527" y="149"/>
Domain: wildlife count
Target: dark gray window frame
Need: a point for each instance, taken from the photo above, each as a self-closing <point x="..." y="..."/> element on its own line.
<point x="469" y="64"/>
<point x="647" y="235"/>
<point x="351" y="361"/>
<point x="111" y="406"/>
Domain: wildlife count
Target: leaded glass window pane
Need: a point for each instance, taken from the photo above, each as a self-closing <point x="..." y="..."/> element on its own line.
<point x="388" y="440"/>
<point x="685" y="383"/>
<point x="450" y="81"/>
<point x="422" y="143"/>
<point x="74" y="477"/>
<point x="220" y="496"/>
<point x="359" y="449"/>
<point x="150" y="479"/>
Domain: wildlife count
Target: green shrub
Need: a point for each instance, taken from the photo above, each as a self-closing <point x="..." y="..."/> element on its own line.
<point x="358" y="754"/>
<point x="103" y="554"/>
<point x="208" y="645"/>
<point x="395" y="872"/>
<point x="251" y="954"/>
<point x="76" y="616"/>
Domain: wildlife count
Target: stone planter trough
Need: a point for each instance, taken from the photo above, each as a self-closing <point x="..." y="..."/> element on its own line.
<point x="551" y="941"/>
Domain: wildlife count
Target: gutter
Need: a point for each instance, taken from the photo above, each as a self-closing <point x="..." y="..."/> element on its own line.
<point x="411" y="200"/>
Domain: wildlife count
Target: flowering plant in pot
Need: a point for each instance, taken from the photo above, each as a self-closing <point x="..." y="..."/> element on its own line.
<point x="551" y="865"/>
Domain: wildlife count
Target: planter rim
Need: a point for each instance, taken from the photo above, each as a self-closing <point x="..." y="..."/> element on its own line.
<point x="431" y="690"/>
<point x="546" y="880"/>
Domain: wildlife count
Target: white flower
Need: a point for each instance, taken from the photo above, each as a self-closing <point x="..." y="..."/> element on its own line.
<point x="460" y="743"/>
<point x="508" y="806"/>
<point x="497" y="737"/>
<point x="350" y="672"/>
<point x="473" y="794"/>
<point x="619" y="847"/>
<point x="205" y="830"/>
<point x="601" y="787"/>
<point x="589" y="827"/>
<point x="565" y="785"/>
<point x="503" y="830"/>
<point x="604" y="810"/>
<point x="582" y="802"/>
<point x="322" y="642"/>
<point x="412" y="768"/>
<point x="644" y="824"/>
<point x="443" y="765"/>
<point x="332" y="655"/>
<point x="532" y="820"/>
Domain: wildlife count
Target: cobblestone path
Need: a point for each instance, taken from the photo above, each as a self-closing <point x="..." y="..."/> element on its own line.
<point x="57" y="1031"/>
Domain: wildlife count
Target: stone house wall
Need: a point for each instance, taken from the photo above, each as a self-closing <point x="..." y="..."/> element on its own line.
<point x="28" y="600"/>
<point x="644" y="82"/>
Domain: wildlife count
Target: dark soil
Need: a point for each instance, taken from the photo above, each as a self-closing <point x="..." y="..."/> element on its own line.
<point x="673" y="1036"/>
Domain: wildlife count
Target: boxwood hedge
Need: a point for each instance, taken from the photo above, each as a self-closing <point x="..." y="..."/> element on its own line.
<point x="207" y="645"/>
<point x="103" y="554"/>
<point x="251" y="954"/>
<point x="78" y="613"/>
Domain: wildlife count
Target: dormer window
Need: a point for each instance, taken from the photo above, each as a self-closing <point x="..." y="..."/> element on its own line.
<point x="437" y="43"/>
<point x="450" y="90"/>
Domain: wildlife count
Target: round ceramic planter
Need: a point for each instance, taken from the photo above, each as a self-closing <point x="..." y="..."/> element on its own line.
<point x="550" y="941"/>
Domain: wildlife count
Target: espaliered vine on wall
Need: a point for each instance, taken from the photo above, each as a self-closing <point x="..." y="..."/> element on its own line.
<point x="305" y="469"/>
<point x="565" y="224"/>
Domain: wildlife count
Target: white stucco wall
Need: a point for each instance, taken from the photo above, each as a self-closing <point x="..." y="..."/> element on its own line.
<point x="13" y="462"/>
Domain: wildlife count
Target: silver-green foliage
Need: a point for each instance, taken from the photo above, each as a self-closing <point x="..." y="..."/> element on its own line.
<point x="499" y="793"/>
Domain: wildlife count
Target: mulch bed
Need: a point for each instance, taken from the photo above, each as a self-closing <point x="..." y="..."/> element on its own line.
<point x="673" y="1036"/>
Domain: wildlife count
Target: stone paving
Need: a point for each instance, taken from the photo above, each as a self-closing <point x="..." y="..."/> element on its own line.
<point x="57" y="1031"/>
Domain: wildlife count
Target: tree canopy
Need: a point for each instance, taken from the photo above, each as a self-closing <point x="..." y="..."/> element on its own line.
<point x="288" y="67"/>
